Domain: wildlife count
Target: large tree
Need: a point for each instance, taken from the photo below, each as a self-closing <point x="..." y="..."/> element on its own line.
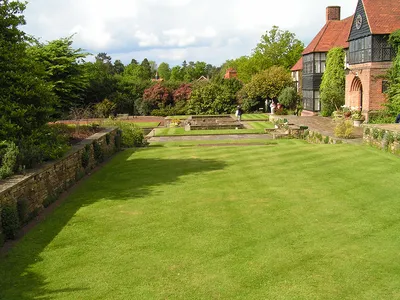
<point x="268" y="83"/>
<point x="26" y="100"/>
<point x="147" y="69"/>
<point x="64" y="69"/>
<point x="211" y="99"/>
<point x="164" y="71"/>
<point x="278" y="48"/>
<point x="102" y="82"/>
<point x="332" y="89"/>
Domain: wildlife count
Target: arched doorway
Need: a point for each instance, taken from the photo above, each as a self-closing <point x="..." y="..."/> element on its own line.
<point x="356" y="92"/>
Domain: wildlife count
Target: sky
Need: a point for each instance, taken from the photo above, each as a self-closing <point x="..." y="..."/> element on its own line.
<point x="175" y="30"/>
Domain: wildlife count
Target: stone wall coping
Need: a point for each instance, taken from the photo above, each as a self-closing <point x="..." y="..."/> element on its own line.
<point x="6" y="184"/>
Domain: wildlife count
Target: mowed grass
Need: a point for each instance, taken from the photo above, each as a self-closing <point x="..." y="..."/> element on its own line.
<point x="261" y="125"/>
<point x="250" y="117"/>
<point x="288" y="220"/>
<point x="181" y="131"/>
<point x="147" y="124"/>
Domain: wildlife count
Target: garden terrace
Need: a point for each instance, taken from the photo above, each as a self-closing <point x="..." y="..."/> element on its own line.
<point x="212" y="122"/>
<point x="228" y="222"/>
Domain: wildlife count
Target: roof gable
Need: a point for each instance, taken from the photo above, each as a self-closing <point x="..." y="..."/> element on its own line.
<point x="333" y="34"/>
<point x="298" y="66"/>
<point x="383" y="15"/>
<point x="364" y="30"/>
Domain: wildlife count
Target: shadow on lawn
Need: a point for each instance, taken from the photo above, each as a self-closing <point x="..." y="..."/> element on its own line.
<point x="124" y="178"/>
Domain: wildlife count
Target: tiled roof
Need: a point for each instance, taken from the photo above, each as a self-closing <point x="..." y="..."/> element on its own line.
<point x="298" y="66"/>
<point x="383" y="15"/>
<point x="333" y="34"/>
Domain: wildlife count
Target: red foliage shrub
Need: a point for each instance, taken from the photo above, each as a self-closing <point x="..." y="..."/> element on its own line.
<point x="157" y="94"/>
<point x="182" y="93"/>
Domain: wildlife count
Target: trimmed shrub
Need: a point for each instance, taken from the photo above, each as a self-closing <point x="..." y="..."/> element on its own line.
<point x="9" y="221"/>
<point x="118" y="140"/>
<point x="8" y="159"/>
<point x="344" y="129"/>
<point x="132" y="136"/>
<point x="98" y="152"/>
<point x="289" y="98"/>
<point x="23" y="208"/>
<point x="105" y="108"/>
<point x="85" y="157"/>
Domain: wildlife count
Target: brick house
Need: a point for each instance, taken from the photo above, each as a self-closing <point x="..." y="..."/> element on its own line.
<point x="368" y="55"/>
<point x="230" y="73"/>
<point x="333" y="34"/>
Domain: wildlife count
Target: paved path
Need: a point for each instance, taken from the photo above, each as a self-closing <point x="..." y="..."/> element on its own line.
<point x="325" y="126"/>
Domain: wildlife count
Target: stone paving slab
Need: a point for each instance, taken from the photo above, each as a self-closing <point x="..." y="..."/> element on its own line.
<point x="323" y="125"/>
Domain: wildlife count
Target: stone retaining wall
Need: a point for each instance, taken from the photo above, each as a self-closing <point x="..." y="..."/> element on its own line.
<point x="385" y="137"/>
<point x="316" y="137"/>
<point x="40" y="187"/>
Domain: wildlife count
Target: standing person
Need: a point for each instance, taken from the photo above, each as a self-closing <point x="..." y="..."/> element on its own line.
<point x="273" y="106"/>
<point x="397" y="119"/>
<point x="239" y="113"/>
<point x="267" y="103"/>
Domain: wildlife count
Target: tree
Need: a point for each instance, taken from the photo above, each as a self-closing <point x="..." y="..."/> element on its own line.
<point x="267" y="84"/>
<point x="211" y="99"/>
<point x="157" y="96"/>
<point x="102" y="82"/>
<point x="26" y="100"/>
<point x="244" y="65"/>
<point x="182" y="93"/>
<point x="332" y="89"/>
<point x="177" y="73"/>
<point x="164" y="71"/>
<point x="118" y="67"/>
<point x="64" y="69"/>
<point x="394" y="76"/>
<point x="146" y="69"/>
<point x="289" y="97"/>
<point x="277" y="48"/>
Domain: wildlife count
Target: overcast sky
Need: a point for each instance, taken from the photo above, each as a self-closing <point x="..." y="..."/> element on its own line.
<point x="175" y="30"/>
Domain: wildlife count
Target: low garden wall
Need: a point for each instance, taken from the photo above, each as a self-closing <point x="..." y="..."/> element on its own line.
<point x="385" y="137"/>
<point x="316" y="137"/>
<point x="26" y="195"/>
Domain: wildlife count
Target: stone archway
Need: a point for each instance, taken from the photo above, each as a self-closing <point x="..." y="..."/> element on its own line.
<point x="356" y="93"/>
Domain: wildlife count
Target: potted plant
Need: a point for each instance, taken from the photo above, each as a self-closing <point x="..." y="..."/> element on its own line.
<point x="357" y="116"/>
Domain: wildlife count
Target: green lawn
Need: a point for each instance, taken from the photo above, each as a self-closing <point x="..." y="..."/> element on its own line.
<point x="181" y="131"/>
<point x="180" y="117"/>
<point x="261" y="125"/>
<point x="286" y="220"/>
<point x="146" y="124"/>
<point x="249" y="117"/>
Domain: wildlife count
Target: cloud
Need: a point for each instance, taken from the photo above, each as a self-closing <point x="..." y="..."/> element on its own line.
<point x="175" y="30"/>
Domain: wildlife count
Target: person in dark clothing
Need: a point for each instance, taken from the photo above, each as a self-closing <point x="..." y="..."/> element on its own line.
<point x="397" y="119"/>
<point x="239" y="113"/>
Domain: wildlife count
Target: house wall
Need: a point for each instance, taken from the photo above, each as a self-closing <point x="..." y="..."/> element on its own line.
<point x="371" y="77"/>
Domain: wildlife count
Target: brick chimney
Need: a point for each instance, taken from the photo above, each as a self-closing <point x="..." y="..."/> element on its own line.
<point x="333" y="13"/>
